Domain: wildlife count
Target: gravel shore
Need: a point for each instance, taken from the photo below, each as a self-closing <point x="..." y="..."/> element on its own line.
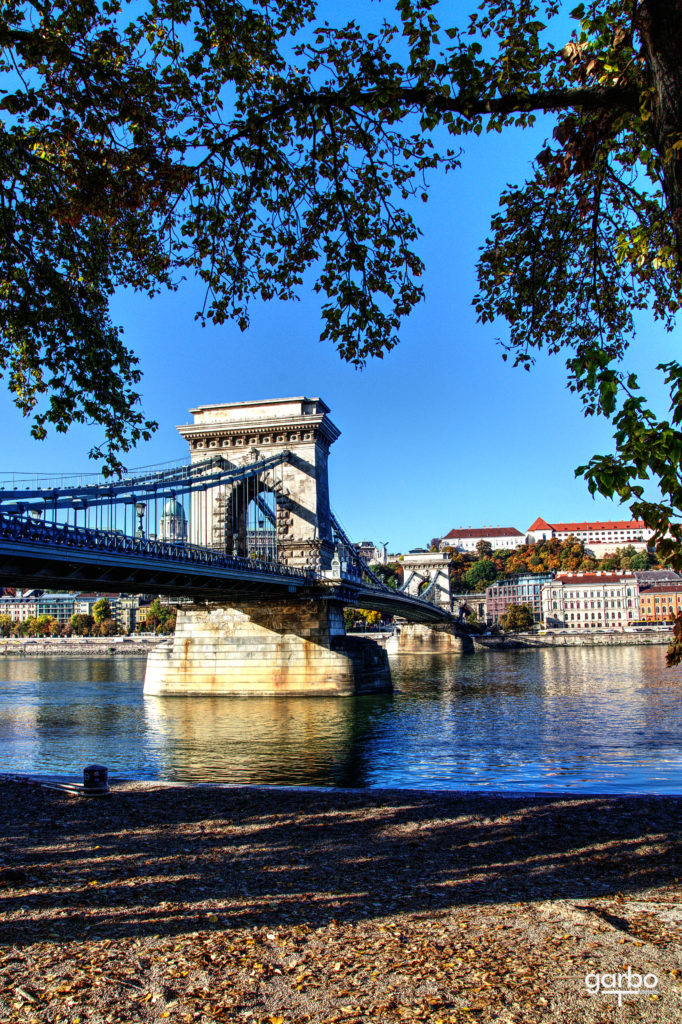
<point x="210" y="904"/>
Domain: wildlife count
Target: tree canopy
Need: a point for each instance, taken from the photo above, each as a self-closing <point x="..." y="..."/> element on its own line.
<point x="517" y="618"/>
<point x="101" y="610"/>
<point x="256" y="143"/>
<point x="480" y="574"/>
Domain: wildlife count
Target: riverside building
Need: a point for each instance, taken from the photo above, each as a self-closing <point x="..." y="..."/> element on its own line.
<point x="126" y="609"/>
<point x="525" y="588"/>
<point x="660" y="602"/>
<point x="29" y="604"/>
<point x="591" y="600"/>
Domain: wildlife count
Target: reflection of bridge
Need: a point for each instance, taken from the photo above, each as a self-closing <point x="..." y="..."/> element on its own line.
<point x="243" y="532"/>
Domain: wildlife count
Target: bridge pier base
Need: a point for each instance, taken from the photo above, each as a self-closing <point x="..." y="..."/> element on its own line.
<point x="270" y="648"/>
<point x="418" y="638"/>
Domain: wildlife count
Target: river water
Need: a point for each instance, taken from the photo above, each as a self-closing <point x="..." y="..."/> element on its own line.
<point x="580" y="719"/>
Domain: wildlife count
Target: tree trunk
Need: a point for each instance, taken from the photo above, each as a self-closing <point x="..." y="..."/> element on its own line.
<point x="660" y="25"/>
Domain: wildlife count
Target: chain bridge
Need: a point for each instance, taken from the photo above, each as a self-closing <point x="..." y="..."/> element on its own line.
<point x="241" y="536"/>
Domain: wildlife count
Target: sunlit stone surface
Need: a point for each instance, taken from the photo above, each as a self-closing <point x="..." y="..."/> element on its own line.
<point x="264" y="648"/>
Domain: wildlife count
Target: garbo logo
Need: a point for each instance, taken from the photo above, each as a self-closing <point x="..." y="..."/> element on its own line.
<point x="629" y="984"/>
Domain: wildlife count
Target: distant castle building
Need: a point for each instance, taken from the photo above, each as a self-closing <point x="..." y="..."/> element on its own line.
<point x="598" y="538"/>
<point x="500" y="538"/>
<point x="173" y="522"/>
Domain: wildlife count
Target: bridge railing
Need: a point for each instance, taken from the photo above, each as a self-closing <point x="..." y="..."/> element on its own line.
<point x="20" y="528"/>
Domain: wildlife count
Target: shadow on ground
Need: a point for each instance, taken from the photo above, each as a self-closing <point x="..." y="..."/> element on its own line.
<point x="165" y="861"/>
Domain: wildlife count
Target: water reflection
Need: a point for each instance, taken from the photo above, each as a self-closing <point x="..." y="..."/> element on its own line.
<point x="314" y="741"/>
<point x="587" y="719"/>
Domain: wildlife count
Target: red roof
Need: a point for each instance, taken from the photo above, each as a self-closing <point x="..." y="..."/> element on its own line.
<point x="485" y="531"/>
<point x="632" y="524"/>
<point x="595" y="577"/>
<point x="661" y="588"/>
<point x="622" y="524"/>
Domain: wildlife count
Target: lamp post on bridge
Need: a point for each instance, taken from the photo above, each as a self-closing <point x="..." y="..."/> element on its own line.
<point x="139" y="508"/>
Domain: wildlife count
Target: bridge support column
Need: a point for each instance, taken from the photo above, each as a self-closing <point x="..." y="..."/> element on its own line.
<point x="269" y="648"/>
<point x="417" y="638"/>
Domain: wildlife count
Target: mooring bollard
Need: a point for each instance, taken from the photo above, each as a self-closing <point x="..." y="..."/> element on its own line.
<point x="95" y="780"/>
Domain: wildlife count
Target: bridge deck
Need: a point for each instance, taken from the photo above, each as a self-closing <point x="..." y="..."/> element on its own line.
<point x="63" y="557"/>
<point x="38" y="554"/>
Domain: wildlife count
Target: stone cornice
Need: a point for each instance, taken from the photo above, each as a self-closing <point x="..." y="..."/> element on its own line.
<point x="273" y="433"/>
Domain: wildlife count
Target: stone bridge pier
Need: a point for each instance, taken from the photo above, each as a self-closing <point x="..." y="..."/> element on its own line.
<point x="272" y="647"/>
<point x="294" y="644"/>
<point x="418" y="638"/>
<point x="429" y="570"/>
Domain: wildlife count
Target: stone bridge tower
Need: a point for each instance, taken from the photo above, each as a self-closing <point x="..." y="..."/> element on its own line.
<point x="425" y="567"/>
<point x="291" y="644"/>
<point x="245" y="432"/>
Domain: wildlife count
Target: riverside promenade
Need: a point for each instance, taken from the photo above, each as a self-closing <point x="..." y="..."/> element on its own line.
<point x="277" y="906"/>
<point x="138" y="645"/>
<point x="575" y="638"/>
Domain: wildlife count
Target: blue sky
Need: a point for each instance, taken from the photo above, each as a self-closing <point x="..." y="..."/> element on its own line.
<point x="440" y="433"/>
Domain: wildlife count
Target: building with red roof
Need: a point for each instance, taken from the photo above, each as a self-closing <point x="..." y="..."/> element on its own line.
<point x="660" y="602"/>
<point x="599" y="538"/>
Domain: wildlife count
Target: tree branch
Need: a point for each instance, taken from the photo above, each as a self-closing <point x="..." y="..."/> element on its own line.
<point x="625" y="98"/>
<point x="611" y="98"/>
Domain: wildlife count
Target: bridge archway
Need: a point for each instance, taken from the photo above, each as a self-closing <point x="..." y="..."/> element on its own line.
<point x="245" y="518"/>
<point x="428" y="572"/>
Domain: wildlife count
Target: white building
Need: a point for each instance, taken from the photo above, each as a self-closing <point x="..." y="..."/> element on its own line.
<point x="599" y="539"/>
<point x="31" y="603"/>
<point x="500" y="538"/>
<point x="589" y="600"/>
<point x="125" y="608"/>
<point x="372" y="553"/>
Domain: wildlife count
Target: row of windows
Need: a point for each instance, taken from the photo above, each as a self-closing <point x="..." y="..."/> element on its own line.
<point x="596" y="593"/>
<point x="595" y="604"/>
<point x="572" y="594"/>
<point x="608" y="534"/>
<point x="596" y="615"/>
<point x="513" y="591"/>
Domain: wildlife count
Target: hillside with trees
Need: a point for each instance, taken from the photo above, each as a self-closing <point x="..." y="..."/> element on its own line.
<point x="475" y="572"/>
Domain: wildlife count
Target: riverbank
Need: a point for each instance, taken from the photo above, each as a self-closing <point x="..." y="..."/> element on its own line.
<point x="140" y="645"/>
<point x="546" y="638"/>
<point x="575" y="638"/>
<point x="79" y="647"/>
<point x="209" y="904"/>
